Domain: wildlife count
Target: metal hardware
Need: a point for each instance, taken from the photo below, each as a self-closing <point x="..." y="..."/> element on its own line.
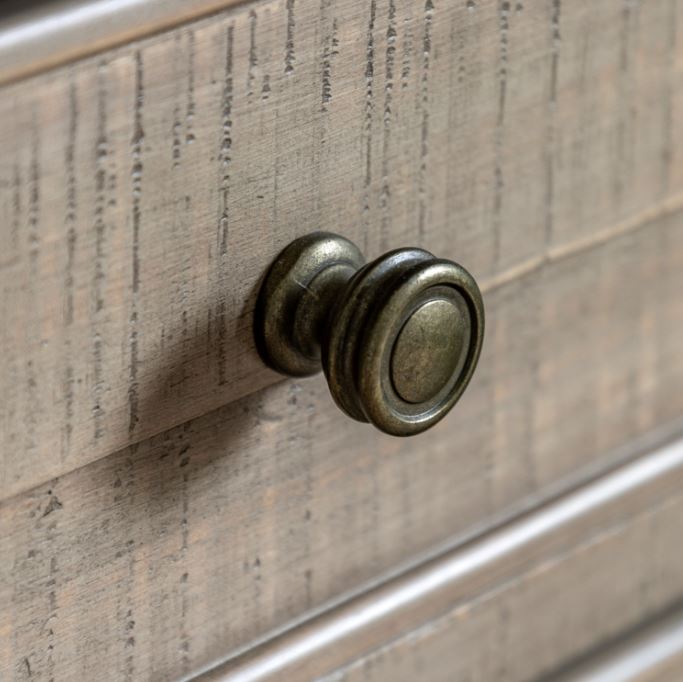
<point x="398" y="338"/>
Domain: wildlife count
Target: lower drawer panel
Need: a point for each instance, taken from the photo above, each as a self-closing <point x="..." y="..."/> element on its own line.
<point x="513" y="605"/>
<point x="523" y="630"/>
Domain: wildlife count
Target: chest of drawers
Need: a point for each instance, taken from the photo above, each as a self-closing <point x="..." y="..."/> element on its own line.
<point x="169" y="506"/>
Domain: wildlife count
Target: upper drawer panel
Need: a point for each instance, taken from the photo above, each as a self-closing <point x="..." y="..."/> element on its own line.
<point x="143" y="191"/>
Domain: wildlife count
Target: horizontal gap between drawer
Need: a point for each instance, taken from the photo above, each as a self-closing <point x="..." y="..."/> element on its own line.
<point x="634" y="223"/>
<point x="353" y="628"/>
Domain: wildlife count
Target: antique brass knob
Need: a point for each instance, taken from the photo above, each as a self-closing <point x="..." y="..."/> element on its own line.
<point x="398" y="338"/>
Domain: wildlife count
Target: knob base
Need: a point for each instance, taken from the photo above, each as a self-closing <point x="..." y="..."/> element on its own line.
<point x="295" y="298"/>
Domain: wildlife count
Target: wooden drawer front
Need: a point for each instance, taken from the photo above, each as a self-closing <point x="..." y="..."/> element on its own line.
<point x="165" y="500"/>
<point x="144" y="190"/>
<point x="515" y="604"/>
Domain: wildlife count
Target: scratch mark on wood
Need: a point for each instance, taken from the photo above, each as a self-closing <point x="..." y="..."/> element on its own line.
<point x="289" y="44"/>
<point x="499" y="181"/>
<point x="459" y="108"/>
<point x="101" y="159"/>
<point x="253" y="57"/>
<point x="176" y="127"/>
<point x="668" y="116"/>
<point x="330" y="50"/>
<point x="53" y="611"/>
<point x="16" y="205"/>
<point x="183" y="460"/>
<point x="551" y="128"/>
<point x="424" y="128"/>
<point x="265" y="89"/>
<point x="99" y="277"/>
<point x="129" y="643"/>
<point x="125" y="616"/>
<point x="33" y="214"/>
<point x="226" y="144"/>
<point x="191" y="103"/>
<point x="308" y="581"/>
<point x="136" y="176"/>
<point x="586" y="115"/>
<point x="407" y="51"/>
<point x="70" y="221"/>
<point x="627" y="106"/>
<point x="621" y="126"/>
<point x="225" y="157"/>
<point x="367" y="123"/>
<point x="385" y="192"/>
<point x="34" y="200"/>
<point x="222" y="342"/>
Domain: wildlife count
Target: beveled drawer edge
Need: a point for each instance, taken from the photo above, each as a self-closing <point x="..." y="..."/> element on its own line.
<point x="553" y="254"/>
<point x="60" y="32"/>
<point x="332" y="639"/>
<point x="652" y="652"/>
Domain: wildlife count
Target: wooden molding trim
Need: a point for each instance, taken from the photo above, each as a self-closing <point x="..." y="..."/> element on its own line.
<point x="347" y="633"/>
<point x="55" y="33"/>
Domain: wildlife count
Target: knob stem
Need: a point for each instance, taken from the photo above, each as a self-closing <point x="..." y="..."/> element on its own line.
<point x="296" y="297"/>
<point x="316" y="301"/>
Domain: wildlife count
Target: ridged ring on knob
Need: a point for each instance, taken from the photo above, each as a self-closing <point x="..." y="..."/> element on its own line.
<point x="398" y="338"/>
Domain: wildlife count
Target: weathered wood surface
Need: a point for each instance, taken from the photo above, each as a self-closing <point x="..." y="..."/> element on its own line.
<point x="521" y="630"/>
<point x="236" y="522"/>
<point x="143" y="192"/>
<point x="505" y="576"/>
<point x="650" y="653"/>
<point x="119" y="572"/>
<point x="603" y="571"/>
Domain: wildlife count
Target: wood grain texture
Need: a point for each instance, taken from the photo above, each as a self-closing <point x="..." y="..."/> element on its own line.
<point x="651" y="653"/>
<point x="522" y="629"/>
<point x="143" y="192"/>
<point x="119" y="577"/>
<point x="541" y="558"/>
<point x="167" y="554"/>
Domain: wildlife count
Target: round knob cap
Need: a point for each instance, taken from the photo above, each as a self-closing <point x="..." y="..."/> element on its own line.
<point x="428" y="349"/>
<point x="398" y="338"/>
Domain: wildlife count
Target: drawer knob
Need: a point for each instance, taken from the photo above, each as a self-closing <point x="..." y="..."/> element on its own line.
<point x="397" y="338"/>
